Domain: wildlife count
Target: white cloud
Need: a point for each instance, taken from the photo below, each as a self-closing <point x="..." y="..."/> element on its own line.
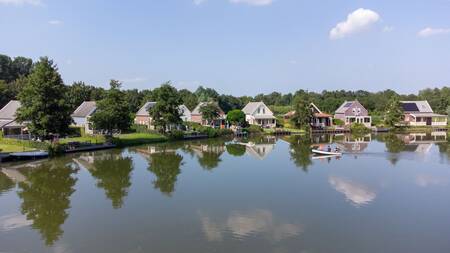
<point x="13" y="221"/>
<point x="427" y="32"/>
<point x="253" y="2"/>
<point x="198" y="2"/>
<point x="357" y="21"/>
<point x="21" y="2"/>
<point x="55" y="22"/>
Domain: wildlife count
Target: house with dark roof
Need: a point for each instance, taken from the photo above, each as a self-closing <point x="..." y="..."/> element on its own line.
<point x="318" y="120"/>
<point x="143" y="115"/>
<point x="257" y="113"/>
<point x="353" y="112"/>
<point x="82" y="114"/>
<point x="8" y="123"/>
<point x="420" y="113"/>
<point x="196" y="116"/>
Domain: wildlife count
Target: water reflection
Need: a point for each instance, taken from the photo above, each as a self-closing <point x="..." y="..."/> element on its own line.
<point x="112" y="171"/>
<point x="208" y="152"/>
<point x="244" y="224"/>
<point x="6" y="184"/>
<point x="46" y="195"/>
<point x="300" y="151"/>
<point x="165" y="164"/>
<point x="357" y="193"/>
<point x="13" y="221"/>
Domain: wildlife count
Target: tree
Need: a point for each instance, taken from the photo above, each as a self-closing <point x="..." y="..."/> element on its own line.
<point x="236" y="117"/>
<point x="113" y="112"/>
<point x="394" y="112"/>
<point x="189" y="99"/>
<point x="166" y="111"/>
<point x="303" y="113"/>
<point x="210" y="112"/>
<point x="43" y="101"/>
<point x="206" y="94"/>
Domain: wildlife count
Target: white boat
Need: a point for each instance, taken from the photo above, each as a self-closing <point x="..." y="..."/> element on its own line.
<point x="30" y="154"/>
<point x="321" y="152"/>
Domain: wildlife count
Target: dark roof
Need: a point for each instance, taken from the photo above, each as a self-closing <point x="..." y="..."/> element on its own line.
<point x="410" y="107"/>
<point x="85" y="109"/>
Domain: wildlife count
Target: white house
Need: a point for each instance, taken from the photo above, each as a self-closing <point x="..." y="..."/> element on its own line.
<point x="82" y="114"/>
<point x="257" y="113"/>
<point x="8" y="123"/>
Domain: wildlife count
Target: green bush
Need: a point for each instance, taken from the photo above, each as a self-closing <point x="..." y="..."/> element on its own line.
<point x="359" y="128"/>
<point x="253" y="129"/>
<point x="338" y="122"/>
<point x="55" y="149"/>
<point x="175" y="135"/>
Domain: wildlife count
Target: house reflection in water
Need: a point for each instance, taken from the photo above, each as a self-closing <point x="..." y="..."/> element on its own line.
<point x="352" y="144"/>
<point x="422" y="142"/>
<point x="259" y="148"/>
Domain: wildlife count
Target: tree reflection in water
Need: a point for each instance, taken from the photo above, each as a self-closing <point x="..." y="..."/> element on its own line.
<point x="300" y="151"/>
<point x="113" y="174"/>
<point x="208" y="152"/>
<point x="46" y="197"/>
<point x="236" y="149"/>
<point x="166" y="167"/>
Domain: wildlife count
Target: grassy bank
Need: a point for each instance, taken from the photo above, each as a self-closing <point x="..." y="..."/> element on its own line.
<point x="9" y="148"/>
<point x="138" y="139"/>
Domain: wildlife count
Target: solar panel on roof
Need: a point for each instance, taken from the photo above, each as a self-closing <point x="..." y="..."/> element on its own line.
<point x="410" y="107"/>
<point x="348" y="104"/>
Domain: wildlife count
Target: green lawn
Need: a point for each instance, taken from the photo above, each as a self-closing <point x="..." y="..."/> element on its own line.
<point x="13" y="148"/>
<point x="138" y="138"/>
<point x="94" y="139"/>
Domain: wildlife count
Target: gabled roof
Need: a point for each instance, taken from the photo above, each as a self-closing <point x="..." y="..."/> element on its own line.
<point x="346" y="105"/>
<point x="417" y="106"/>
<point x="9" y="110"/>
<point x="144" y="109"/>
<point x="251" y="107"/>
<point x="85" y="109"/>
<point x="196" y="110"/>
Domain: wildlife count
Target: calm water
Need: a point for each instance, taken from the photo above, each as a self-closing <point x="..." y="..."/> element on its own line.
<point x="388" y="193"/>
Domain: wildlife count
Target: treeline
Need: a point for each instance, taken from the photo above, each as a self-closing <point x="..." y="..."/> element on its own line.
<point x="14" y="71"/>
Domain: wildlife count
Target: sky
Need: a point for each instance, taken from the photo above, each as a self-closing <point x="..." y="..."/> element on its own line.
<point x="238" y="47"/>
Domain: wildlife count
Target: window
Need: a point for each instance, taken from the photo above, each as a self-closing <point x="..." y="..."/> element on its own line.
<point x="259" y="110"/>
<point x="264" y="111"/>
<point x="352" y="120"/>
<point x="367" y="120"/>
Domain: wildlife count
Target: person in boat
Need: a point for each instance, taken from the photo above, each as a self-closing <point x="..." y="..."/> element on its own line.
<point x="329" y="149"/>
<point x="337" y="150"/>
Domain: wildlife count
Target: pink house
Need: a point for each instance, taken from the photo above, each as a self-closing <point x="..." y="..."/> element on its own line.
<point x="353" y="112"/>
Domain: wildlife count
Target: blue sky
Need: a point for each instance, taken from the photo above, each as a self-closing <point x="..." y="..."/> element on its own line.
<point x="239" y="47"/>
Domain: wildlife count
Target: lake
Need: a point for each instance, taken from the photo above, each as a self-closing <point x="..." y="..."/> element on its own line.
<point x="387" y="193"/>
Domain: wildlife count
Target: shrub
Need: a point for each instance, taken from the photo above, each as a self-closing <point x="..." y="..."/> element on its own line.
<point x="254" y="129"/>
<point x="338" y="122"/>
<point x="55" y="149"/>
<point x="176" y="135"/>
<point x="359" y="128"/>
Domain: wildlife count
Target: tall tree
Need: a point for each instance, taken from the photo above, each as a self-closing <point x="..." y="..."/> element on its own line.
<point x="166" y="168"/>
<point x="112" y="112"/>
<point x="303" y="113"/>
<point x="210" y="112"/>
<point x="236" y="117"/>
<point x="394" y="112"/>
<point x="43" y="101"/>
<point x="189" y="99"/>
<point x="166" y="111"/>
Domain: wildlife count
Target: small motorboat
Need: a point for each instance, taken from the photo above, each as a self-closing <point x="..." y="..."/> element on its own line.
<point x="321" y="152"/>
